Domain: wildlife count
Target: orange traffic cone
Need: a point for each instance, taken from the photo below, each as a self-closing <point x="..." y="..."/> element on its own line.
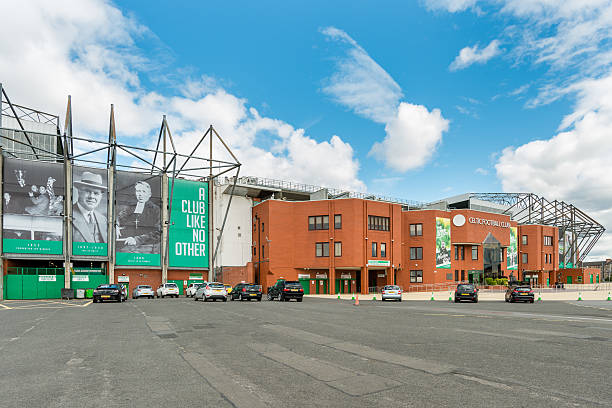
<point x="357" y="300"/>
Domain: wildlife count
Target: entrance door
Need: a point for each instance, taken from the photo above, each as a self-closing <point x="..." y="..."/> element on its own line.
<point x="569" y="279"/>
<point x="305" y="285"/>
<point x="321" y="286"/>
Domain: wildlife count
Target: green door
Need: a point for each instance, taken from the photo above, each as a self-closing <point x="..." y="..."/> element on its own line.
<point x="597" y="278"/>
<point x="305" y="285"/>
<point x="322" y="288"/>
<point x="569" y="279"/>
<point x="547" y="281"/>
<point x="179" y="283"/>
<point x="13" y="285"/>
<point x="591" y="278"/>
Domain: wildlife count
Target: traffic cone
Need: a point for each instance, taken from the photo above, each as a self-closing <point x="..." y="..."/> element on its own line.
<point x="539" y="296"/>
<point x="357" y="300"/>
<point x="609" y="298"/>
<point x="432" y="296"/>
<point x="579" y="297"/>
<point x="374" y="297"/>
<point x="450" y="296"/>
<point x="338" y="297"/>
<point x="353" y="298"/>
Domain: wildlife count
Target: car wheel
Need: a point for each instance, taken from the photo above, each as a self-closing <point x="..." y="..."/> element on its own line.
<point x="280" y="297"/>
<point x="456" y="300"/>
<point x="511" y="300"/>
<point x="531" y="301"/>
<point x="299" y="299"/>
<point x="259" y="299"/>
<point x="95" y="300"/>
<point x="476" y="300"/>
<point x="225" y="299"/>
<point x="287" y="299"/>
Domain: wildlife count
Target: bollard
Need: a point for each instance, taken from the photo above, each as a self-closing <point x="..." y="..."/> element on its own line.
<point x="579" y="297"/>
<point x="338" y="297"/>
<point x="450" y="296"/>
<point x="609" y="298"/>
<point x="539" y="296"/>
<point x="432" y="296"/>
<point x="357" y="300"/>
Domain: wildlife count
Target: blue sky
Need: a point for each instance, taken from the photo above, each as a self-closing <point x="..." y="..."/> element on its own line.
<point x="413" y="99"/>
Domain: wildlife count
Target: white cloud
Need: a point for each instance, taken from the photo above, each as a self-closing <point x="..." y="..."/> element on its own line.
<point x="412" y="137"/>
<point x="450" y="5"/>
<point x="473" y="55"/>
<point x="91" y="50"/>
<point x="481" y="171"/>
<point x="359" y="83"/>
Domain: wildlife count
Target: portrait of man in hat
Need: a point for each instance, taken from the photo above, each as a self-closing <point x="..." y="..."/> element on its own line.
<point x="89" y="224"/>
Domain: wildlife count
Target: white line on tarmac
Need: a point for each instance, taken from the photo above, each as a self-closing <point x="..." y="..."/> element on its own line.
<point x="6" y="307"/>
<point x="484" y="382"/>
<point x="509" y="336"/>
<point x="223" y="383"/>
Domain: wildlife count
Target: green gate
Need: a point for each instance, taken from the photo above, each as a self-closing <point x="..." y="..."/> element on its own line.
<point x="179" y="283"/>
<point x="33" y="283"/>
<point x="305" y="285"/>
<point x="88" y="278"/>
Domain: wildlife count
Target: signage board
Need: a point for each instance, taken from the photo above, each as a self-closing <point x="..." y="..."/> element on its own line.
<point x="443" y="243"/>
<point x="80" y="278"/>
<point x="188" y="224"/>
<point x="321" y="276"/>
<point x="345" y="276"/>
<point x="138" y="219"/>
<point x="89" y="211"/>
<point x="33" y="207"/>
<point x="512" y="251"/>
<point x="303" y="276"/>
<point x="46" y="278"/>
<point x="491" y="223"/>
<point x="378" y="262"/>
<point x="123" y="278"/>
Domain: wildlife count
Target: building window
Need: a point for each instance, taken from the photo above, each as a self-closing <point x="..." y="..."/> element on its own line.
<point x="262" y="252"/>
<point x="378" y="223"/>
<point x="374" y="250"/>
<point x="262" y="227"/>
<point x="416" y="276"/>
<point x="462" y="252"/>
<point x="318" y="222"/>
<point x="456" y="252"/>
<point x="524" y="258"/>
<point x="254" y="250"/>
<point x="462" y="276"/>
<point x="501" y="254"/>
<point x="338" y="221"/>
<point x="416" y="252"/>
<point x="524" y="240"/>
<point x="548" y="240"/>
<point x="416" y="230"/>
<point x="456" y="275"/>
<point x="322" y="249"/>
<point x="474" y="252"/>
<point x="383" y="249"/>
<point x="337" y="248"/>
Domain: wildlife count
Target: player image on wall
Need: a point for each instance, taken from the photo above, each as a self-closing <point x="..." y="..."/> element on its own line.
<point x="443" y="240"/>
<point x="138" y="219"/>
<point x="33" y="207"/>
<point x="89" y="211"/>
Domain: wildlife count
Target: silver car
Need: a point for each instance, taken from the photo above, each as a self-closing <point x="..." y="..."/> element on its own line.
<point x="212" y="290"/>
<point x="392" y="292"/>
<point x="143" y="291"/>
<point x="193" y="288"/>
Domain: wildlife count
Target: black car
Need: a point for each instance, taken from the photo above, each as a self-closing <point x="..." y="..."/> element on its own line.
<point x="109" y="292"/>
<point x="520" y="294"/>
<point x="246" y="291"/>
<point x="286" y="290"/>
<point x="466" y="292"/>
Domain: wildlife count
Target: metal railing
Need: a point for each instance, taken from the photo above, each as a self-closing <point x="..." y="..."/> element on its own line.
<point x="311" y="188"/>
<point x="13" y="270"/>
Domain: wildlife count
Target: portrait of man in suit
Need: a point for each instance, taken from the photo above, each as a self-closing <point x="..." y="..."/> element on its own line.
<point x="88" y="223"/>
<point x="139" y="224"/>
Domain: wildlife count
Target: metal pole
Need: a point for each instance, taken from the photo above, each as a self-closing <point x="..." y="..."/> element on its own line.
<point x="67" y="198"/>
<point x="165" y="224"/>
<point x="211" y="219"/>
<point x="112" y="139"/>
<point x="1" y="217"/>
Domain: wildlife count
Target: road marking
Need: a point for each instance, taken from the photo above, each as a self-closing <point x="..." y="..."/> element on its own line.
<point x="318" y="369"/>
<point x="224" y="384"/>
<point x="6" y="307"/>
<point x="484" y="382"/>
<point x="300" y="334"/>
<point x="509" y="336"/>
<point x="431" y="367"/>
<point x="553" y="333"/>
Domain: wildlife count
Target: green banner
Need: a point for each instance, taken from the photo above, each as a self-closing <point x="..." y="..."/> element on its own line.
<point x="188" y="224"/>
<point x="90" y="248"/>
<point x="512" y="251"/>
<point x="443" y="243"/>
<point x="21" y="246"/>
<point x="123" y="258"/>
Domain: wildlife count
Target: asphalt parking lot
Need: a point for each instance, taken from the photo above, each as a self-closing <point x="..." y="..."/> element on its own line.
<point x="318" y="353"/>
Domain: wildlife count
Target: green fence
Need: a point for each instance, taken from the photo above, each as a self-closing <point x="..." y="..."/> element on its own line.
<point x="33" y="283"/>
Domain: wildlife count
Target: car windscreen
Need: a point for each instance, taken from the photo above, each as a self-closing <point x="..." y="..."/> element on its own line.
<point x="465" y="287"/>
<point x="293" y="284"/>
<point x="108" y="287"/>
<point x="253" y="287"/>
<point x="391" y="287"/>
<point x="523" y="289"/>
<point x="171" y="285"/>
<point x="144" y="287"/>
<point x="217" y="285"/>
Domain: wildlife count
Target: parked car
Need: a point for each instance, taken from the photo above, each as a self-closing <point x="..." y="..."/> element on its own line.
<point x="108" y="292"/>
<point x="286" y="290"/>
<point x="168" y="289"/>
<point x="466" y="291"/>
<point x="246" y="291"/>
<point x="193" y="288"/>
<point x="392" y="292"/>
<point x="212" y="290"/>
<point x="143" y="291"/>
<point x="522" y="293"/>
